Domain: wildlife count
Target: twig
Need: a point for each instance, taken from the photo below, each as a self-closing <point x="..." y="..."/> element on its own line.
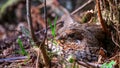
<point x="38" y="58"/>
<point x="81" y="7"/>
<point x="29" y="20"/>
<point x="42" y="46"/>
<point x="110" y="3"/>
<point x="101" y="19"/>
<point x="115" y="42"/>
<point x="45" y="14"/>
<point x="89" y="65"/>
<point x="13" y="59"/>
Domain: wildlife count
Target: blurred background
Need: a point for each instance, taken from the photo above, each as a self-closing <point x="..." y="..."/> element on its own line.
<point x="13" y="13"/>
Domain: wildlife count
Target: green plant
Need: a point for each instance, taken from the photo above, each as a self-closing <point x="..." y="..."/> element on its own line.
<point x="71" y="59"/>
<point x="53" y="27"/>
<point x="22" y="51"/>
<point x="57" y="49"/>
<point x="108" y="65"/>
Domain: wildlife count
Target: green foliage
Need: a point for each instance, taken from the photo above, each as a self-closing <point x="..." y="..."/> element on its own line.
<point x="53" y="27"/>
<point x="70" y="58"/>
<point x="22" y="51"/>
<point x="108" y="65"/>
<point x="84" y="19"/>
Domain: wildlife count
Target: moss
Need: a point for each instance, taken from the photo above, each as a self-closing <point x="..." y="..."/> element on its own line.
<point x="87" y="17"/>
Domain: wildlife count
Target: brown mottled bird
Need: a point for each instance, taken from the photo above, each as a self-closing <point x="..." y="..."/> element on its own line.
<point x="90" y="35"/>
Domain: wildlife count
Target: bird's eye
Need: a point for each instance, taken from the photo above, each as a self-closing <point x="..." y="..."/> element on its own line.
<point x="71" y="35"/>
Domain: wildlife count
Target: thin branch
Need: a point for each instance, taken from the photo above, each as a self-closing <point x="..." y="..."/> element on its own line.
<point x="101" y="19"/>
<point x="45" y="14"/>
<point x="42" y="46"/>
<point x="115" y="41"/>
<point x="89" y="65"/>
<point x="29" y="20"/>
<point x="13" y="59"/>
<point x="81" y="7"/>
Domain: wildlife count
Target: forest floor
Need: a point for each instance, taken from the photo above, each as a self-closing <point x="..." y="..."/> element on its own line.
<point x="80" y="42"/>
